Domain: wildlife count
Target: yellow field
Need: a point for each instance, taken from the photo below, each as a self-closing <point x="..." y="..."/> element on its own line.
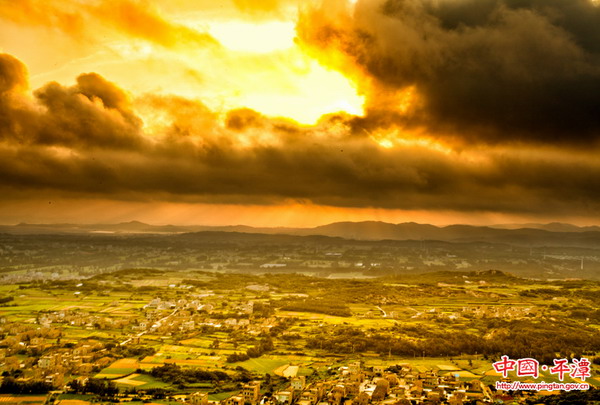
<point x="73" y="402"/>
<point x="154" y="360"/>
<point x="125" y="363"/>
<point x="19" y="399"/>
<point x="286" y="371"/>
<point x="129" y="380"/>
<point x="445" y="367"/>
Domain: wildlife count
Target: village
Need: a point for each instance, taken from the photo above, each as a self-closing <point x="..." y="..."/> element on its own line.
<point x="348" y="385"/>
<point x="351" y="384"/>
<point x="248" y="341"/>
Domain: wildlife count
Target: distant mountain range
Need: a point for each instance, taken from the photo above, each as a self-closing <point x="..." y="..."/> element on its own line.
<point x="553" y="234"/>
<point x="552" y="227"/>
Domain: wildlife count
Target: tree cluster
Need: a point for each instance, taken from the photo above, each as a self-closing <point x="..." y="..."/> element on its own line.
<point x="11" y="386"/>
<point x="265" y="345"/>
<point x="101" y="387"/>
<point x="174" y="374"/>
<point x="516" y="339"/>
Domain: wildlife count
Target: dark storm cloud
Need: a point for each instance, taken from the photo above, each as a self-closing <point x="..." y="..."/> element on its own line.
<point x="13" y="82"/>
<point x="93" y="113"/>
<point x="487" y="70"/>
<point x="86" y="140"/>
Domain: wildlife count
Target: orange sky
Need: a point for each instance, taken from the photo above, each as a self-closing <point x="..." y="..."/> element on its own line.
<point x="299" y="113"/>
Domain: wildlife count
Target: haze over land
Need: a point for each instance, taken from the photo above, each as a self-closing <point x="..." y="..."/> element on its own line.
<point x="355" y="250"/>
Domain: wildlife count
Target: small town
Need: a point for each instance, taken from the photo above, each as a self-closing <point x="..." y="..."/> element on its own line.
<point x="165" y="337"/>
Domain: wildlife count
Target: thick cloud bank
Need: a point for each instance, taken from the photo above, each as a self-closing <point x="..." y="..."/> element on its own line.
<point x="91" y="140"/>
<point x="488" y="71"/>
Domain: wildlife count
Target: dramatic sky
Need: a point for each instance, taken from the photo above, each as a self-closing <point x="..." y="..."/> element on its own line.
<point x="299" y="113"/>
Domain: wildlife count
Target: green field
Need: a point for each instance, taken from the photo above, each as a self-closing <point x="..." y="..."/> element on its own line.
<point x="222" y="395"/>
<point x="262" y="365"/>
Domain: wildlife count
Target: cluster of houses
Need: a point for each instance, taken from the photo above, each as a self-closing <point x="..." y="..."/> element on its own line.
<point x="357" y="386"/>
<point x="479" y="312"/>
<point x="186" y="315"/>
<point x="81" y="319"/>
<point x="33" y="353"/>
<point x="350" y="385"/>
<point x="35" y="350"/>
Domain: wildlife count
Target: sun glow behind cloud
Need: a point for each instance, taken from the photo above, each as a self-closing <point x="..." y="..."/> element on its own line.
<point x="292" y="84"/>
<point x="259" y="66"/>
<point x="316" y="91"/>
<point x="243" y="36"/>
<point x="285" y="83"/>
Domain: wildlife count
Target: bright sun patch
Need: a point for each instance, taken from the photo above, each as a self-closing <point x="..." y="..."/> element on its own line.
<point x="317" y="91"/>
<point x="265" y="37"/>
<point x="258" y="65"/>
<point x="292" y="84"/>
